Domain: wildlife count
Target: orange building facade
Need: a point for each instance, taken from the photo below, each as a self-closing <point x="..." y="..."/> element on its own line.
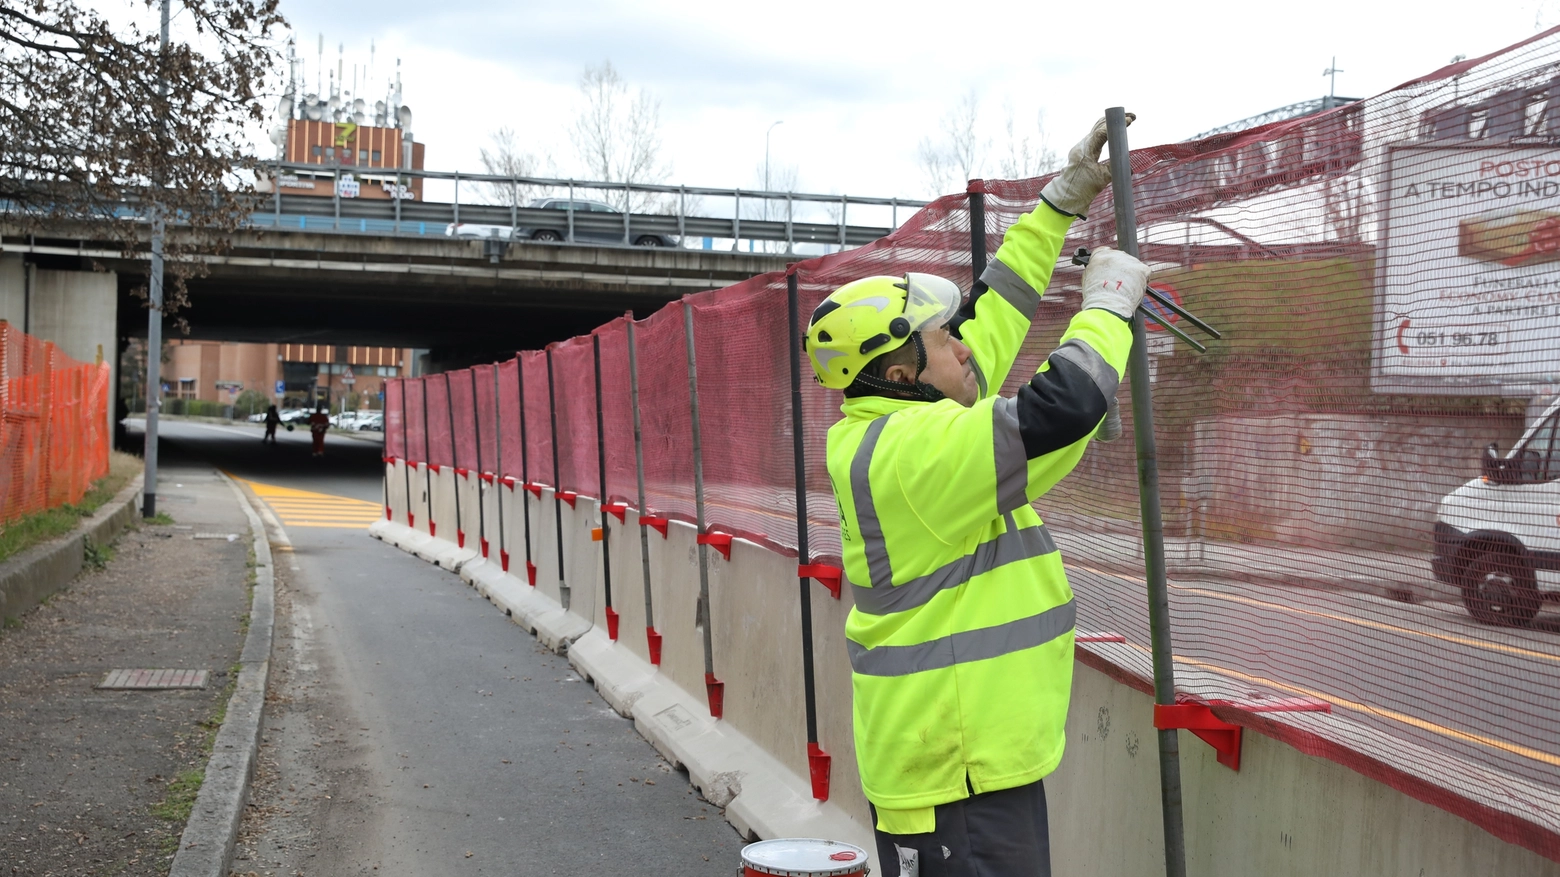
<point x="363" y="155"/>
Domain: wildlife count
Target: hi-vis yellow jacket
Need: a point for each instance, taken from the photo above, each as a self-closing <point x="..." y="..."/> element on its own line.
<point x="961" y="639"/>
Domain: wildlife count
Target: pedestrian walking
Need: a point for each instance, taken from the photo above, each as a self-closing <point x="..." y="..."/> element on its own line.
<point x="272" y="420"/>
<point x="961" y="639"/>
<point x="319" y="422"/>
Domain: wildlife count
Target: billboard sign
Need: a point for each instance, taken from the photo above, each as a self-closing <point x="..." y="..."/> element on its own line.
<point x="1470" y="280"/>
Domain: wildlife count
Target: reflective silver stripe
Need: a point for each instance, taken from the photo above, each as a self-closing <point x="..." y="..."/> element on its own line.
<point x="980" y="377"/>
<point x="1007" y="445"/>
<point x="882" y="574"/>
<point x="966" y="647"/>
<point x="1010" y="547"/>
<point x="1087" y="358"/>
<point x="1013" y="289"/>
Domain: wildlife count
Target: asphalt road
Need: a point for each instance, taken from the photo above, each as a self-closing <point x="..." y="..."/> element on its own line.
<point x="476" y="751"/>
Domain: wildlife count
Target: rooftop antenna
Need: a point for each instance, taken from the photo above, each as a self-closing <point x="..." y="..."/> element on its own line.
<point x="1332" y="87"/>
<point x="319" y="69"/>
<point x="341" y="56"/>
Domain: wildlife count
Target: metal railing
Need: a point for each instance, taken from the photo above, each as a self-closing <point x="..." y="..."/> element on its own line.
<point x="400" y="214"/>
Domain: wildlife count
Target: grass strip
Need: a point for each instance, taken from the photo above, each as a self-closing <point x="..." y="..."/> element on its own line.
<point x="29" y="530"/>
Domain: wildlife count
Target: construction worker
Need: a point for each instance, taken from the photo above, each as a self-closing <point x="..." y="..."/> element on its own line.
<point x="319" y="423"/>
<point x="961" y="639"/>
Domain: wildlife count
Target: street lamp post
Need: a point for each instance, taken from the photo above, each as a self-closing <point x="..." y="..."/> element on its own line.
<point x="154" y="313"/>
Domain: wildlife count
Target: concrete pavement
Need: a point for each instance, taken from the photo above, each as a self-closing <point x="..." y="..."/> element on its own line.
<point x="448" y="740"/>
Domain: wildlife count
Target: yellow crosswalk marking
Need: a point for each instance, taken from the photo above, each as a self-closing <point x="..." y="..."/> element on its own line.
<point x="305" y="508"/>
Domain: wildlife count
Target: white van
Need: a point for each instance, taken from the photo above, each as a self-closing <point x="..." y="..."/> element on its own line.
<point x="1497" y="538"/>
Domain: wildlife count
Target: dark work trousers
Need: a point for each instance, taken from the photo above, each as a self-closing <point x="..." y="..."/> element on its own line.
<point x="998" y="834"/>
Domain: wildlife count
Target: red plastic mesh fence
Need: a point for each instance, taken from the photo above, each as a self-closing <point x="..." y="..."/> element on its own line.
<point x="1387" y="278"/>
<point x="53" y="425"/>
<point x="617" y="413"/>
<point x="538" y="423"/>
<point x="395" y="413"/>
<point x="485" y="426"/>
<point x="508" y="423"/>
<point x="441" y="451"/>
<point x="463" y="412"/>
<point x="416" y="432"/>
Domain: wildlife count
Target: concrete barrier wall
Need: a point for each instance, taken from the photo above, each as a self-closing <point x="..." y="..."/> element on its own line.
<point x="1284" y="813"/>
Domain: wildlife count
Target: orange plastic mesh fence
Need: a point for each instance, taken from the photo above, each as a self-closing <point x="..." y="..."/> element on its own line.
<point x="1386" y="276"/>
<point x="54" y="437"/>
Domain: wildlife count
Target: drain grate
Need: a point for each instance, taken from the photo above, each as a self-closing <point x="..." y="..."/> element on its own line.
<point x="153" y="679"/>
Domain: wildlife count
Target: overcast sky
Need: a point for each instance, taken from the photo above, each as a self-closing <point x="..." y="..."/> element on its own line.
<point x="858" y="84"/>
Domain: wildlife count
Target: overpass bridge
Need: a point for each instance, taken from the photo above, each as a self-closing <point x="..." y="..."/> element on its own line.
<point x="459" y="276"/>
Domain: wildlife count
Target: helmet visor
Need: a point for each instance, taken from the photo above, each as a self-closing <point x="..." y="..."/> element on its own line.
<point x="930" y="301"/>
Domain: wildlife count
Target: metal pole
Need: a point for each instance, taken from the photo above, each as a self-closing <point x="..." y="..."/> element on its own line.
<point x="977" y="195"/>
<point x="803" y="554"/>
<point x="154" y="316"/>
<point x="449" y="405"/>
<point x="736" y="222"/>
<point x="498" y="465"/>
<point x="698" y="494"/>
<point x="1148" y="498"/>
<point x="601" y="480"/>
<point x="790" y="242"/>
<point x="639" y="469"/>
<point x="552" y="405"/>
<point x="571" y="240"/>
<point x="457" y="198"/>
<point x="427" y="463"/>
<point x="476" y="434"/>
<point x="525" y="470"/>
<point x="406" y="449"/>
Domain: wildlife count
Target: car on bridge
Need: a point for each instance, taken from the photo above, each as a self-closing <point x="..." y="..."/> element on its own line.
<point x="1497" y="538"/>
<point x="555" y="232"/>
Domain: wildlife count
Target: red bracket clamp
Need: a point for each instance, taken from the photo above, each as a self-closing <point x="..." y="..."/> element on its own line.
<point x="828" y="576"/>
<point x="568" y="496"/>
<point x="487" y="476"/>
<point x="653" y="641"/>
<point x="1200" y="720"/>
<point x="390" y="460"/>
<point x="435" y="468"/>
<point x="612" y="623"/>
<point x="460" y="538"/>
<point x="1101" y="637"/>
<point x="464" y="473"/>
<point x="411" y="519"/>
<point x="720" y="541"/>
<point x="387" y="514"/>
<point x="530" y="573"/>
<point x="484" y="548"/>
<point x="433" y="527"/>
<point x="818" y="767"/>
<point x="503" y="559"/>
<point x="716" y="690"/>
<point x="618" y="510"/>
<point x="536" y="489"/>
<point x="508" y="481"/>
<point x="657" y="523"/>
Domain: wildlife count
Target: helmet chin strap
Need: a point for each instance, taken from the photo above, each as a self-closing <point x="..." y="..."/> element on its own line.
<point x="917" y="388"/>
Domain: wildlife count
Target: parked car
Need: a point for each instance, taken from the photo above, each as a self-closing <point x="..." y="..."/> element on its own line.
<point x="372" y="420"/>
<point x="559" y="230"/>
<point x="1497" y="538"/>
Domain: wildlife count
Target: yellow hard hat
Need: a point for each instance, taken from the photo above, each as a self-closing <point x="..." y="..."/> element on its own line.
<point x="867" y="318"/>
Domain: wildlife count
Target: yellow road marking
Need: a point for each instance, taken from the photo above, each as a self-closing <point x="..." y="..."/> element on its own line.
<point x="305" y="508"/>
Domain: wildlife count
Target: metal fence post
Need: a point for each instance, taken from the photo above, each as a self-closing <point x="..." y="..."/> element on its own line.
<point x="682" y="210"/>
<point x="570" y="211"/>
<point x="601" y="504"/>
<point x="976" y="190"/>
<point x="736" y="222"/>
<point x="457" y="197"/>
<point x="406" y="448"/>
<point x="277" y="185"/>
<point x="628" y="203"/>
<point x="476" y="436"/>
<point x="714" y="688"/>
<point x="427" y="465"/>
<point x="525" y="473"/>
<point x="844" y="206"/>
<point x="1148" y="497"/>
<point x="818" y="760"/>
<point x="449" y="405"/>
<point x="552" y="405"/>
<point x="790" y="241"/>
<point x="498" y="467"/>
<point x="653" y="639"/>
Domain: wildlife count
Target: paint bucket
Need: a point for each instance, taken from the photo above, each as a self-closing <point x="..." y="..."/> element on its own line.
<point x="803" y="857"/>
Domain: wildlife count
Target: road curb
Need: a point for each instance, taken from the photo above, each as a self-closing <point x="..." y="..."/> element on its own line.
<point x="29" y="577"/>
<point x="206" y="847"/>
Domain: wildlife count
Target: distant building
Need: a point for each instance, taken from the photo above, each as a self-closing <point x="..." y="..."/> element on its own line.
<point x="219" y="371"/>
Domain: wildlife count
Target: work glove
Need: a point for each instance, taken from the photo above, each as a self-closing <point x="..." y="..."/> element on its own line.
<point x="1084" y="177"/>
<point x="1110" y="428"/>
<point x="1114" y="281"/>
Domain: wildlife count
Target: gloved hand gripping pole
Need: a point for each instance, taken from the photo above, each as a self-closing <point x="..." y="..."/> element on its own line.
<point x="1148" y="498"/>
<point x="1082" y="258"/>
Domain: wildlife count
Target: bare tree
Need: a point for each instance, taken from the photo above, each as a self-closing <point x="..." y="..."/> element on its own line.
<point x="101" y="126"/>
<point x="505" y="157"/>
<point x="1026" y="154"/>
<point x="958" y="153"/>
<point x="618" y="136"/>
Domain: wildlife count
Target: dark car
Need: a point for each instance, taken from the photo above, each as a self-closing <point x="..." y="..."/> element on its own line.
<point x="591" y="232"/>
